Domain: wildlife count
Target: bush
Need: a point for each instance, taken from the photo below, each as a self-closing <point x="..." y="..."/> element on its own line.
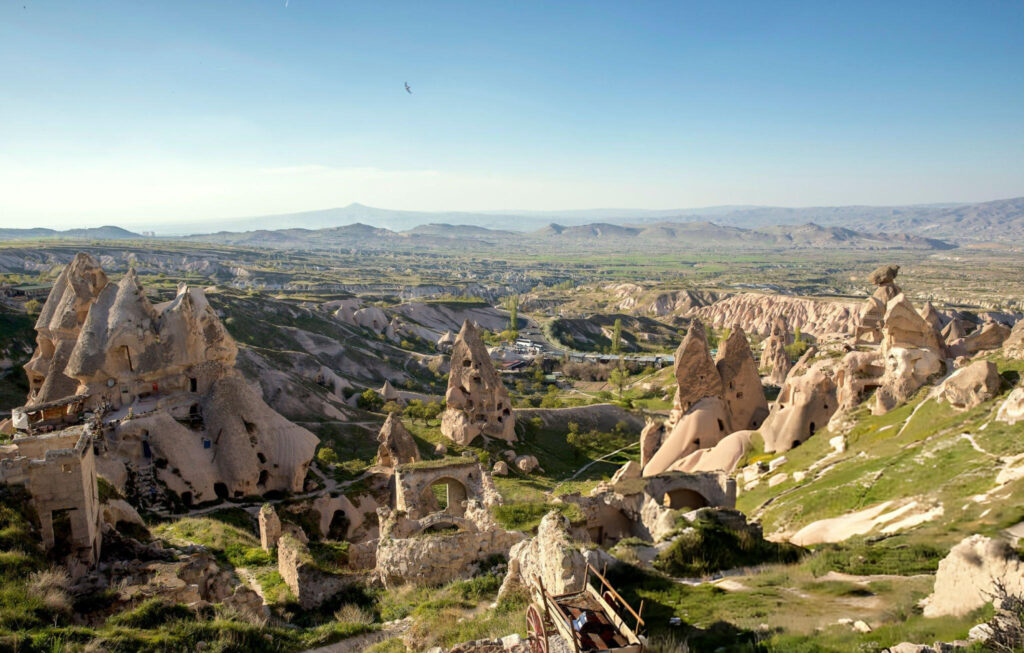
<point x="370" y="400"/>
<point x="862" y="558"/>
<point x="706" y="546"/>
<point x="152" y="613"/>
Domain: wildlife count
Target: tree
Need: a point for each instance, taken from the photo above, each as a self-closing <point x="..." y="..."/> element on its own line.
<point x="392" y="407"/>
<point x="32" y="307"/>
<point x="618" y="378"/>
<point x="617" y="336"/>
<point x="370" y="400"/>
<point x="327" y="456"/>
<point x="431" y="410"/>
<point x="512" y="304"/>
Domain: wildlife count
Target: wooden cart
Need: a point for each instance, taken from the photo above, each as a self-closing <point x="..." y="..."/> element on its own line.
<point x="592" y="619"/>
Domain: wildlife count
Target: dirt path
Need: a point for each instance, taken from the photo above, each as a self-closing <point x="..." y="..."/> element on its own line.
<point x="362" y="642"/>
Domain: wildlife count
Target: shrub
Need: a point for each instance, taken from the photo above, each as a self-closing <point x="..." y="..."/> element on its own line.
<point x="152" y="613"/>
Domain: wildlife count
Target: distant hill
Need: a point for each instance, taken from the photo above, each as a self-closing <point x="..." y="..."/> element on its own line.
<point x="92" y="233"/>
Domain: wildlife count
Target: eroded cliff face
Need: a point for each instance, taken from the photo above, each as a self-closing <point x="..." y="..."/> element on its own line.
<point x="163" y="379"/>
<point x="824" y="320"/>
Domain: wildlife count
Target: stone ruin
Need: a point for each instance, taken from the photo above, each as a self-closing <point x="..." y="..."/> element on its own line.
<point x="59" y="472"/>
<point x="714" y="399"/>
<point x="477" y="401"/>
<point x="169" y="408"/>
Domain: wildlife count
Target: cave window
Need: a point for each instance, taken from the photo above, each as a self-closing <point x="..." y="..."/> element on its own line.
<point x="250" y="428"/>
<point x="264" y="477"/>
<point x="466" y="362"/>
<point x="221" y="490"/>
<point x="721" y="425"/>
<point x="812" y="428"/>
<point x="261" y="457"/>
<point x="186" y="498"/>
<point x="193" y="384"/>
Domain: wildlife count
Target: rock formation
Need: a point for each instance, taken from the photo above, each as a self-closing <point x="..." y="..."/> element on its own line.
<point x="270" y="527"/>
<point x="872" y="313"/>
<point x="755" y="313"/>
<point x="1012" y="410"/>
<point x="775" y="361"/>
<point x="1013" y="346"/>
<point x="988" y="336"/>
<point x="58" y="326"/>
<point x="971" y="385"/>
<point x="953" y="331"/>
<point x="904" y="327"/>
<point x="741" y="384"/>
<point x="396" y="444"/>
<point x="804" y="406"/>
<point x="966" y="577"/>
<point x="177" y="408"/>
<point x="550" y="556"/>
<point x="712" y="400"/>
<point x="477" y="401"/>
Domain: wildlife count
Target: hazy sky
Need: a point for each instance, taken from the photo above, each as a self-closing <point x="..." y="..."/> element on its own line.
<point x="126" y="112"/>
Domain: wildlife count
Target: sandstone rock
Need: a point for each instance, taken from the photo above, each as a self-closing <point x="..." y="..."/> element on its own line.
<point x="651" y="439"/>
<point x="116" y="511"/>
<point x="1012" y="410"/>
<point x="527" y="464"/>
<point x="270" y="527"/>
<point x="703" y="426"/>
<point x="906" y="370"/>
<point x="989" y="336"/>
<point x="885" y="274"/>
<point x="774" y="360"/>
<point x="1013" y="346"/>
<point x="805" y="405"/>
<point x="741" y="383"/>
<point x="971" y="385"/>
<point x="58" y="327"/>
<point x="628" y="471"/>
<point x="388" y="392"/>
<point x="477" y="401"/>
<point x="169" y="370"/>
<point x="310" y="586"/>
<point x="953" y="331"/>
<point x="965" y="578"/>
<point x="500" y="468"/>
<point x="695" y="371"/>
<point x="397" y="446"/>
<point x="778" y="479"/>
<point x="440" y="450"/>
<point x="724" y="456"/>
<point x="931" y="316"/>
<point x="904" y="327"/>
<point x="861" y="626"/>
<point x="756" y="313"/>
<point x="550" y="556"/>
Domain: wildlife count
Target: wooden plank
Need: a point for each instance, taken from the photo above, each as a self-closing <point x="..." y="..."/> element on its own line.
<point x="617" y="595"/>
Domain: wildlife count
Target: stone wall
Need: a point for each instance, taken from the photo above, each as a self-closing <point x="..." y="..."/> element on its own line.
<point x="465" y="478"/>
<point x="438" y="558"/>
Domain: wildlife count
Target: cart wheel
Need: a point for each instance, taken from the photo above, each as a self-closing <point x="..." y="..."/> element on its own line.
<point x="536" y="631"/>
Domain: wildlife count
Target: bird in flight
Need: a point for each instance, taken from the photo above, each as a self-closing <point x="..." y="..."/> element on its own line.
<point x="407" y="89"/>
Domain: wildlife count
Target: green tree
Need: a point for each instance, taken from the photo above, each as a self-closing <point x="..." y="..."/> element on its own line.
<point x="431" y="410"/>
<point x="32" y="307"/>
<point x="617" y="336"/>
<point x="327" y="456"/>
<point x="370" y="400"/>
<point x="618" y="378"/>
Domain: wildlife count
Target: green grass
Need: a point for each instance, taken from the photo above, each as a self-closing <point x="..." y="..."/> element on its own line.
<point x="229" y="544"/>
<point x="897" y="555"/>
<point x="526" y="516"/>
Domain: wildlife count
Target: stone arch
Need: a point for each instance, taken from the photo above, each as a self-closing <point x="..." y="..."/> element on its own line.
<point x="684" y="498"/>
<point x="447" y="494"/>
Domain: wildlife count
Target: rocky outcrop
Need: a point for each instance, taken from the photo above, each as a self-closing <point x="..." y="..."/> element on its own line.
<point x="58" y="326"/>
<point x="477" y="401"/>
<point x="1012" y="410"/>
<point x="741" y="384"/>
<point x="775" y="362"/>
<point x="904" y="327"/>
<point x="804" y="406"/>
<point x="310" y="585"/>
<point x="965" y="580"/>
<point x="550" y="556"/>
<point x="906" y="370"/>
<point x="758" y="313"/>
<point x="396" y="444"/>
<point x="953" y="331"/>
<point x="712" y="399"/>
<point x="724" y="456"/>
<point x="165" y="376"/>
<point x="971" y="385"/>
<point x="1013" y="346"/>
<point x="872" y="313"/>
<point x="990" y="335"/>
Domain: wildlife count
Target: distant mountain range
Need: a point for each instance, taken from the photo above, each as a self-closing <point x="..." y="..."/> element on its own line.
<point x="931" y="226"/>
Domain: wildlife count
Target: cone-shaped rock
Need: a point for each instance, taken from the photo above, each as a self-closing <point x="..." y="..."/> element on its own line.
<point x="396" y="444"/>
<point x="477" y="401"/>
<point x="696" y="374"/>
<point x="58" y="326"/>
<point x="741" y="384"/>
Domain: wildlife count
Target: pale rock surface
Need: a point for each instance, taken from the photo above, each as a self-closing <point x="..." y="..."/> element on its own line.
<point x="804" y="406"/>
<point x="550" y="556"/>
<point x="904" y="327"/>
<point x="629" y="471"/>
<point x="477" y="401"/>
<point x="1012" y="409"/>
<point x="965" y="578"/>
<point x="906" y="370"/>
<point x="270" y="527"/>
<point x="1013" y="346"/>
<point x="971" y="385"/>
<point x="990" y="335"/>
<point x="774" y="360"/>
<point x="724" y="456"/>
<point x="651" y="439"/>
<point x="704" y="426"/>
<point x="119" y="510"/>
<point x="696" y="375"/>
<point x="500" y="468"/>
<point x="757" y="313"/>
<point x="397" y="446"/>
<point x="527" y="464"/>
<point x="741" y="383"/>
<point x="954" y="331"/>
<point x="58" y="327"/>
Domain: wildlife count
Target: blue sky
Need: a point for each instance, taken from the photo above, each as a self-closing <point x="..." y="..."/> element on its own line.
<point x="137" y="112"/>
